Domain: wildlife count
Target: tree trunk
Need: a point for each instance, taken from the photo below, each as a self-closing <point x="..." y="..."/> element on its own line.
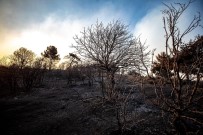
<point x="180" y="126"/>
<point x="111" y="82"/>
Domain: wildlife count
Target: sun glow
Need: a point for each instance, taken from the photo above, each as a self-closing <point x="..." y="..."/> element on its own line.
<point x="55" y="30"/>
<point x="32" y="40"/>
<point x="51" y="32"/>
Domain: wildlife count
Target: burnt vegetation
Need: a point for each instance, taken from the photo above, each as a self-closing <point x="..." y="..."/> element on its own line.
<point x="109" y="85"/>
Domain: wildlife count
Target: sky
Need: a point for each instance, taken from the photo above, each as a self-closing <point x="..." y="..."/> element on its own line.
<point x="36" y="24"/>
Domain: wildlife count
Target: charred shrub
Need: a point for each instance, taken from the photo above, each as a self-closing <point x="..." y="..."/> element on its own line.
<point x="31" y="77"/>
<point x="9" y="77"/>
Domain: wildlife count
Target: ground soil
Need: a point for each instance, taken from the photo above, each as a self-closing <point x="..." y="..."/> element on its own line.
<point x="58" y="109"/>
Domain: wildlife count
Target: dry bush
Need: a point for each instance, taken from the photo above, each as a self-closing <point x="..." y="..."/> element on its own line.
<point x="72" y="75"/>
<point x="31" y="77"/>
<point x="182" y="99"/>
<point x="9" y="80"/>
<point x="14" y="80"/>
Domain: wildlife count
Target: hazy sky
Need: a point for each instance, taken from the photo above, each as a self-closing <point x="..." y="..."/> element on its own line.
<point x="36" y="24"/>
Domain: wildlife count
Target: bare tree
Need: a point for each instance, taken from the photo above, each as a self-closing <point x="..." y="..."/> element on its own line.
<point x="39" y="63"/>
<point x="71" y="66"/>
<point x="71" y="59"/>
<point x="4" y="61"/>
<point x="139" y="59"/>
<point x="9" y="76"/>
<point x="22" y="57"/>
<point x="183" y="98"/>
<point x="108" y="46"/>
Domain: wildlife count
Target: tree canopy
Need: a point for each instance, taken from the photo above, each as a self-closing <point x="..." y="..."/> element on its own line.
<point x="22" y="57"/>
<point x="106" y="45"/>
<point x="189" y="54"/>
<point x="192" y="53"/>
<point x="51" y="54"/>
<point x="161" y="65"/>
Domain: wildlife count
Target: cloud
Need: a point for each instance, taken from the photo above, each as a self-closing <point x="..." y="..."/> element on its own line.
<point x="55" y="31"/>
<point x="50" y="32"/>
<point x="38" y="28"/>
<point x="17" y="14"/>
<point x="150" y="27"/>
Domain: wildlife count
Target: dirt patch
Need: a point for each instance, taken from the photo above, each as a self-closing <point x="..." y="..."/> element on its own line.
<point x="57" y="109"/>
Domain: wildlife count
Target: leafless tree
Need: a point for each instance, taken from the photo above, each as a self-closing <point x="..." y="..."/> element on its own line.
<point x="139" y="59"/>
<point x="71" y="65"/>
<point x="22" y="57"/>
<point x="39" y="63"/>
<point x="4" y="61"/>
<point x="183" y="98"/>
<point x="71" y="60"/>
<point x="9" y="76"/>
<point x="108" y="46"/>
